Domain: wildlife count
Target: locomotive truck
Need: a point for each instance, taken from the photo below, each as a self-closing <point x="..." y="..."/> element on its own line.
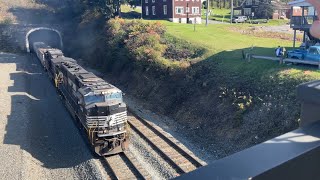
<point x="95" y="103"/>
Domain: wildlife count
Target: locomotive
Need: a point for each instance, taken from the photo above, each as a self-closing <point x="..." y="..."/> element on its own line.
<point x="93" y="102"/>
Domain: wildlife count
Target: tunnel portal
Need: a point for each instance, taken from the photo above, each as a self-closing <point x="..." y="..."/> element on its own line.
<point x="50" y="36"/>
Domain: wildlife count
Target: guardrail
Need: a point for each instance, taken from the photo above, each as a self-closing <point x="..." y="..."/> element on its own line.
<point x="294" y="155"/>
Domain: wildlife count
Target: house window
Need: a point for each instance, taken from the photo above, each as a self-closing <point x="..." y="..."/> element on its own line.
<point x="147" y="11"/>
<point x="195" y="10"/>
<point x="165" y="9"/>
<point x="153" y="10"/>
<point x="179" y="10"/>
<point x="237" y="12"/>
<point x="247" y="11"/>
<point x="248" y="2"/>
<point x="153" y="1"/>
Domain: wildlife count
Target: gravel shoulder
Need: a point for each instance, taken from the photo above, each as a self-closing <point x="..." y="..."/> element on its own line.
<point x="39" y="138"/>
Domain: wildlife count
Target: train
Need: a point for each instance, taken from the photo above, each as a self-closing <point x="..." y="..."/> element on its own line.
<point x="96" y="104"/>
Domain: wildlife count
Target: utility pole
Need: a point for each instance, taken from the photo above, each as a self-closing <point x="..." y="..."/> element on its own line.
<point x="207" y="12"/>
<point x="231" y="12"/>
<point x="141" y="9"/>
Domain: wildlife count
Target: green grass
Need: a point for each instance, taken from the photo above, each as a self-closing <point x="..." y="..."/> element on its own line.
<point x="218" y="14"/>
<point x="217" y="38"/>
<point x="226" y="46"/>
<point x="127" y="8"/>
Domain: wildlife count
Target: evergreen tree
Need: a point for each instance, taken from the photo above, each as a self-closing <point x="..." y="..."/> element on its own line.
<point x="265" y="10"/>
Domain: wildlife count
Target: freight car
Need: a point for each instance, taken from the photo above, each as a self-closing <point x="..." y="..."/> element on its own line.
<point x="96" y="104"/>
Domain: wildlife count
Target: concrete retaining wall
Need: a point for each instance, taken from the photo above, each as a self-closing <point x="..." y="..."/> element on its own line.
<point x="13" y="36"/>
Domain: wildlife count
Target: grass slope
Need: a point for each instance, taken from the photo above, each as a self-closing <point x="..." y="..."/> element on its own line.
<point x="222" y="99"/>
<point x="227" y="46"/>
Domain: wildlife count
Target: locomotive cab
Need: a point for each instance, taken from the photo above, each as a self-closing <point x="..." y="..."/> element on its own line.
<point x="106" y="116"/>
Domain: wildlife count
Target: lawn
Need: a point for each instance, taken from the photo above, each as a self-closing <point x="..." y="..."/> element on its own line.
<point x="218" y="14"/>
<point x="217" y="38"/>
<point x="226" y="46"/>
<point x="130" y="13"/>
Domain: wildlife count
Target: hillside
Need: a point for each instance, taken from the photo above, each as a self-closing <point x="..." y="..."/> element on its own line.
<point x="221" y="102"/>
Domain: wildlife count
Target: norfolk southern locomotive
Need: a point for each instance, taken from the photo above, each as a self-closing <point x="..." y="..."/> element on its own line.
<point x="97" y="104"/>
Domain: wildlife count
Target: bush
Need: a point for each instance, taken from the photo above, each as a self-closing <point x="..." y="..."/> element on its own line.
<point x="142" y="40"/>
<point x="7" y="21"/>
<point x="179" y="49"/>
<point x="147" y="43"/>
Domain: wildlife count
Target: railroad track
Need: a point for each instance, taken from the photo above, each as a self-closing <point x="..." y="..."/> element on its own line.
<point x="124" y="166"/>
<point x="176" y="156"/>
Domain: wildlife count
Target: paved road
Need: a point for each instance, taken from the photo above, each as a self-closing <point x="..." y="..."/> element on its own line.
<point x="38" y="138"/>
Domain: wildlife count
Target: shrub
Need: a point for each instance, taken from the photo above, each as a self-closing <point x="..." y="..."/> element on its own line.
<point x="179" y="49"/>
<point x="7" y="21"/>
<point x="147" y="44"/>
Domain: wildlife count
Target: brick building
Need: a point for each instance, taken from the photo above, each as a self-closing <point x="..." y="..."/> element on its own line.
<point x="180" y="11"/>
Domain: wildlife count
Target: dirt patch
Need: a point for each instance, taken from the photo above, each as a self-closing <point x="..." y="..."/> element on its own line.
<point x="265" y="32"/>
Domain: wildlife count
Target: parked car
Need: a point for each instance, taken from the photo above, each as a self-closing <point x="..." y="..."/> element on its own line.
<point x="312" y="54"/>
<point x="239" y="19"/>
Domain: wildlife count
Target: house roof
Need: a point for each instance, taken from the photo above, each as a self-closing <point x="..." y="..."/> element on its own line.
<point x="299" y="3"/>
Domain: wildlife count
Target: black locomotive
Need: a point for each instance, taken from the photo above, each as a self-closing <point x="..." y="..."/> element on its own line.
<point x="97" y="105"/>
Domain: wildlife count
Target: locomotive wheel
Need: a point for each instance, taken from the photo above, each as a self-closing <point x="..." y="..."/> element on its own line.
<point x="125" y="145"/>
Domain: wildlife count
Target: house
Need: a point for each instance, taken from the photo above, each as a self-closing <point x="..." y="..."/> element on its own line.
<point x="249" y="7"/>
<point x="179" y="11"/>
<point x="281" y="10"/>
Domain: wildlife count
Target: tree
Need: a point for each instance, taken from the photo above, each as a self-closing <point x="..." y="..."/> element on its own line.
<point x="264" y="10"/>
<point x="108" y="8"/>
<point x="134" y="3"/>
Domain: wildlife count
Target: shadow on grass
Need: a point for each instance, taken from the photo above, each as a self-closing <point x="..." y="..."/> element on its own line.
<point x="131" y="15"/>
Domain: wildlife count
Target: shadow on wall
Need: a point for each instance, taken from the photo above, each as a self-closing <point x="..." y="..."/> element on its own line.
<point x="38" y="122"/>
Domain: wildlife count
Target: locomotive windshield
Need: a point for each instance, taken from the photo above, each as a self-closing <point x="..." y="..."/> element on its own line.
<point x="102" y="98"/>
<point x="114" y="96"/>
<point x="94" y="99"/>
